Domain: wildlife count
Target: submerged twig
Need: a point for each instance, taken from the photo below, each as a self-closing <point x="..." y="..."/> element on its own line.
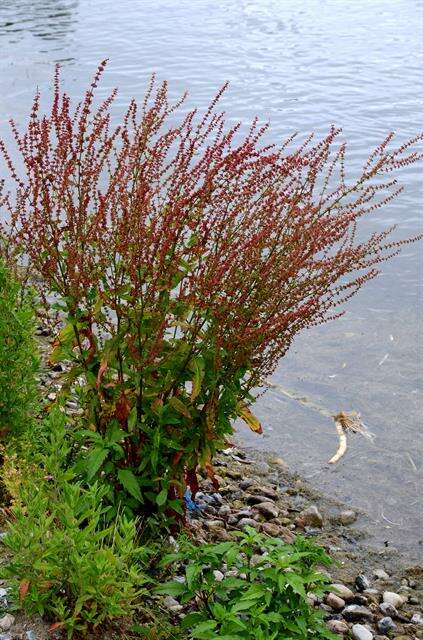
<point x="344" y="421"/>
<point x="348" y="422"/>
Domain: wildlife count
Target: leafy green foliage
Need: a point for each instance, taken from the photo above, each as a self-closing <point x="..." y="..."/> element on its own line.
<point x="18" y="355"/>
<point x="264" y="595"/>
<point x="67" y="565"/>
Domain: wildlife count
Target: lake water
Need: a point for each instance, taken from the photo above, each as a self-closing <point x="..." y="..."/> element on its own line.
<point x="302" y="64"/>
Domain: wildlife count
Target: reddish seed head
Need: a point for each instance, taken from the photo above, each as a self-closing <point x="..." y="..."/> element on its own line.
<point x="257" y="241"/>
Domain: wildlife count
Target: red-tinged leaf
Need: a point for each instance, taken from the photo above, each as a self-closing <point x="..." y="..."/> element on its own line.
<point x="192" y="481"/>
<point x="102" y="370"/>
<point x="55" y="626"/>
<point x="210" y="474"/>
<point x="157" y="405"/>
<point x="123" y="409"/>
<point x="176" y="458"/>
<point x="23" y="589"/>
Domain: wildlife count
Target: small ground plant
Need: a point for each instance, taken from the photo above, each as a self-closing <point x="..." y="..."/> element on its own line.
<point x="18" y="356"/>
<point x="185" y="257"/>
<point x="263" y="595"/>
<point x="67" y="564"/>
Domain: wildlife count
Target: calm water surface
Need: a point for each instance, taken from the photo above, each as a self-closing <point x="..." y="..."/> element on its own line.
<point x="303" y="64"/>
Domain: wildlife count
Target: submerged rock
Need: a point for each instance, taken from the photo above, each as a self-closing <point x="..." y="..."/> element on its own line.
<point x="310" y="517"/>
<point x="347" y="517"/>
<point x="380" y="574"/>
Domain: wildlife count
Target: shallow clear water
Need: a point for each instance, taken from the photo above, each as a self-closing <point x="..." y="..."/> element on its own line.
<point x="303" y="64"/>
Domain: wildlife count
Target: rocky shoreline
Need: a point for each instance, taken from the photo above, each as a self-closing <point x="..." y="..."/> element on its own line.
<point x="376" y="593"/>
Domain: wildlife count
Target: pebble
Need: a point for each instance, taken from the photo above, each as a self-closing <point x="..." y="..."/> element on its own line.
<point x="218" y="575"/>
<point x="335" y="602"/>
<point x="30" y="635"/>
<point x="268" y="510"/>
<point x="417" y="618"/>
<point x="6" y="622"/>
<point x="262" y="468"/>
<point x="393" y="598"/>
<point x="256" y="499"/>
<point x="268" y="492"/>
<point x="347" y="517"/>
<point x="310" y="517"/>
<point x="380" y="574"/>
<point x="245" y="484"/>
<point x="356" y="612"/>
<point x="213" y="524"/>
<point x="5" y="636"/>
<point x="172" y="604"/>
<point x="343" y="592"/>
<point x="359" y="632"/>
<point x="362" y="583"/>
<point x="372" y="595"/>
<point x="337" y="626"/>
<point x="386" y="624"/>
<point x="286" y="535"/>
<point x="271" y="529"/>
<point x="244" y="513"/>
<point x="247" y="522"/>
<point x="388" y="609"/>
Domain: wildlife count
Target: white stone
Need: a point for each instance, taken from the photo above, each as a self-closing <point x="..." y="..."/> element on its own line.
<point x="6" y="622"/>
<point x="218" y="575"/>
<point x="172" y="604"/>
<point x="360" y="632"/>
<point x="380" y="574"/>
<point x="393" y="598"/>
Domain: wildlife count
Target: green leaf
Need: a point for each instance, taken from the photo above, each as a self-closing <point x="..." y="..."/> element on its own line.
<point x="191" y="573"/>
<point x="296" y="582"/>
<point x="130" y="483"/>
<point x="179" y="406"/>
<point x="132" y="419"/>
<point x="162" y="497"/>
<point x="94" y="461"/>
<point x="203" y="627"/>
<point x="196" y="365"/>
<point x="171" y="589"/>
<point x="191" y="618"/>
<point x="243" y="605"/>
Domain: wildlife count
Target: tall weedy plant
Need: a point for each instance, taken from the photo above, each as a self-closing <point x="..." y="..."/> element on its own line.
<point x="184" y="258"/>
